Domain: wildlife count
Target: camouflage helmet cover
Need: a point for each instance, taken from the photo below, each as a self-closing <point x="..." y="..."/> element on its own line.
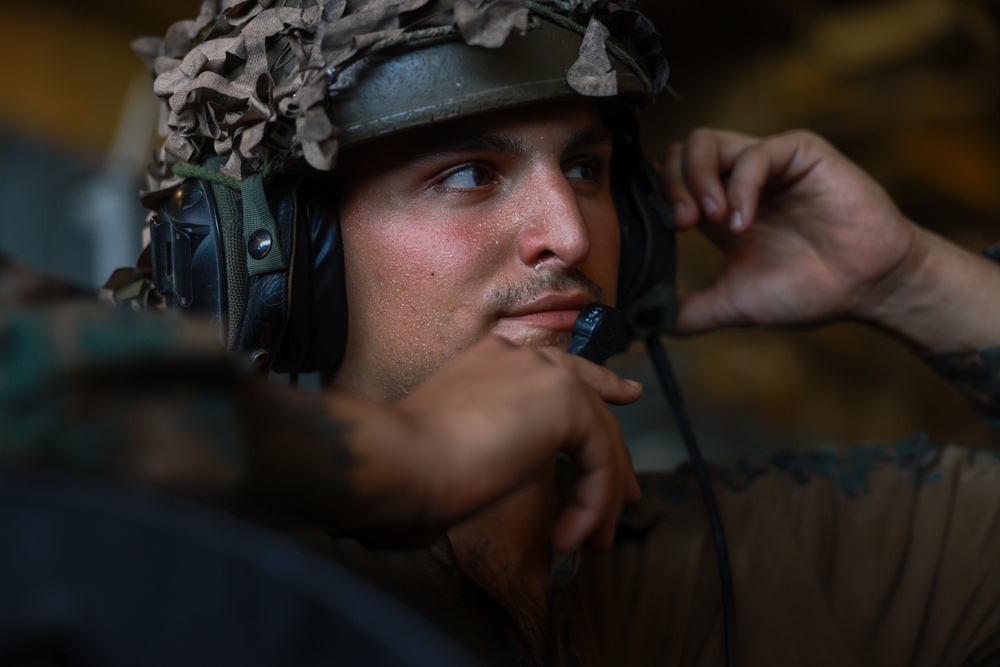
<point x="275" y="85"/>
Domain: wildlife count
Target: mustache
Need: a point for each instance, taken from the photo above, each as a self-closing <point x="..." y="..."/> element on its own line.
<point x="510" y="296"/>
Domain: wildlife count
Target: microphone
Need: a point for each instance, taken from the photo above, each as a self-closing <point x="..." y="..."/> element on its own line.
<point x="598" y="333"/>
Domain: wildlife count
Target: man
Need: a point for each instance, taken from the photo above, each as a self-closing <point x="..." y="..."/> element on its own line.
<point x="465" y="224"/>
<point x="288" y="310"/>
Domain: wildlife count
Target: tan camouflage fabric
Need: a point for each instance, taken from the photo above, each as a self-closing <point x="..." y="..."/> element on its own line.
<point x="151" y="399"/>
<point x="249" y="79"/>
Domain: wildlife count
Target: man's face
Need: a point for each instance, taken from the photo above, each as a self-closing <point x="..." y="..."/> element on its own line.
<point x="501" y="224"/>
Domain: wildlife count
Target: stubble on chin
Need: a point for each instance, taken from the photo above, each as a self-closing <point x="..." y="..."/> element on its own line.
<point x="399" y="377"/>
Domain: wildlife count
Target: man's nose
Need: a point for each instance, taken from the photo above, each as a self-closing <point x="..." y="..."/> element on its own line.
<point x="554" y="229"/>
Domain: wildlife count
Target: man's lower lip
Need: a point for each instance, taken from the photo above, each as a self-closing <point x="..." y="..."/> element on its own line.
<point x="556" y="320"/>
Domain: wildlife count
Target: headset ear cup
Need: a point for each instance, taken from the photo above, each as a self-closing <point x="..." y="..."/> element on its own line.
<point x="647" y="289"/>
<point x="200" y="263"/>
<point x="290" y="320"/>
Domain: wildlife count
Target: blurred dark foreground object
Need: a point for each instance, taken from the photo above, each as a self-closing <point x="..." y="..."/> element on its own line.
<point x="98" y="574"/>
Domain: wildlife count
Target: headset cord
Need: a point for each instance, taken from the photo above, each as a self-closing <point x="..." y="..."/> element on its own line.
<point x="673" y="396"/>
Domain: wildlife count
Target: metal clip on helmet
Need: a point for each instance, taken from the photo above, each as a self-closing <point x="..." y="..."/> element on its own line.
<point x="294" y="319"/>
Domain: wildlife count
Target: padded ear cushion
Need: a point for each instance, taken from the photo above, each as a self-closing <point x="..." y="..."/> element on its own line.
<point x="315" y="336"/>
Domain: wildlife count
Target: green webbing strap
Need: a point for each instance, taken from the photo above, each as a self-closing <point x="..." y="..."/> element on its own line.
<point x="229" y="206"/>
<point x="209" y="174"/>
<point x="257" y="218"/>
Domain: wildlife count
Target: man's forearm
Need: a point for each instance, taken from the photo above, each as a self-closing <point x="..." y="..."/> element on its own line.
<point x="943" y="298"/>
<point x="332" y="459"/>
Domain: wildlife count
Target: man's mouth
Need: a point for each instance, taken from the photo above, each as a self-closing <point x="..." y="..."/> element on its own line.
<point x="552" y="311"/>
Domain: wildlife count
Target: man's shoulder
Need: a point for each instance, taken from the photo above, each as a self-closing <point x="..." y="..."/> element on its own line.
<point x="850" y="470"/>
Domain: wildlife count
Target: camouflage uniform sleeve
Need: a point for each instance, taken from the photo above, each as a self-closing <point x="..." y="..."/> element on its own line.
<point x="154" y="399"/>
<point x="109" y="392"/>
<point x="975" y="373"/>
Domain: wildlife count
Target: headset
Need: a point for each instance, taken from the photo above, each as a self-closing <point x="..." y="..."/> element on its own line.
<point x="295" y="320"/>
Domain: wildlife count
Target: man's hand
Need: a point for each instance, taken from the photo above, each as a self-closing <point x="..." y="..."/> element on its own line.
<point x="489" y="423"/>
<point x="806" y="234"/>
<point x="809" y="237"/>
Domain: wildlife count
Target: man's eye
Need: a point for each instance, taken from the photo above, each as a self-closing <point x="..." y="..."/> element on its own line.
<point x="468" y="178"/>
<point x="585" y="171"/>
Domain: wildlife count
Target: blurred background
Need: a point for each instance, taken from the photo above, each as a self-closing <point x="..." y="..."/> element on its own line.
<point x="906" y="88"/>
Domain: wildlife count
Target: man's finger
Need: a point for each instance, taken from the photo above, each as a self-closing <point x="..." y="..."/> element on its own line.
<point x="686" y="210"/>
<point x="610" y="386"/>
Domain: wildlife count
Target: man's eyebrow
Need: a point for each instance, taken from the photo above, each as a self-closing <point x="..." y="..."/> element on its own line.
<point x="588" y="138"/>
<point x="484" y="143"/>
<point x="506" y="144"/>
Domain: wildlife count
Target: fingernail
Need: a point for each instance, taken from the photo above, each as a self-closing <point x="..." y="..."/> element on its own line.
<point x="736" y="223"/>
<point x="637" y="385"/>
<point x="707" y="203"/>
